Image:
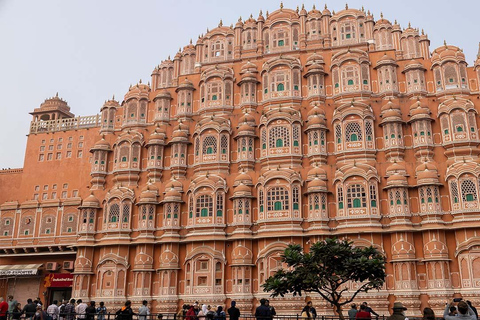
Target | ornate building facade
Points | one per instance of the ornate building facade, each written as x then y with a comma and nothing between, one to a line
288,128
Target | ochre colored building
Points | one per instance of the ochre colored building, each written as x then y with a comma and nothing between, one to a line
288,128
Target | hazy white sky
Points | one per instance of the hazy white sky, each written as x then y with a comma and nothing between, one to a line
88,50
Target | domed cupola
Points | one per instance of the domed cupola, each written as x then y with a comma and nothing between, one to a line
135,105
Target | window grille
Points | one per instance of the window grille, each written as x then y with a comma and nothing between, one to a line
114,213
277,199
356,196
279,133
204,206
210,145
469,190
353,132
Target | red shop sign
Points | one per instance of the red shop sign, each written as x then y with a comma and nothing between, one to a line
58,280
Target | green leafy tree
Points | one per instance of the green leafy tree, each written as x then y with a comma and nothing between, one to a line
327,269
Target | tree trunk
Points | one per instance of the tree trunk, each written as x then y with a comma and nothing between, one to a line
338,309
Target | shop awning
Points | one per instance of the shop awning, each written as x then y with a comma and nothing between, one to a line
19,269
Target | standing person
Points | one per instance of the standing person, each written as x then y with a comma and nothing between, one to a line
53,310
101,311
220,314
17,312
310,311
464,312
90,311
143,311
271,308
40,314
263,311
11,304
428,314
370,310
29,309
363,313
233,311
191,315
398,312
202,315
70,310
352,312
126,312
39,302
3,309
473,308
210,313
80,309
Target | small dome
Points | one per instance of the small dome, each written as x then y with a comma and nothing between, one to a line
174,183
164,94
186,85
157,137
101,144
419,111
172,193
316,172
396,168
246,128
427,174
149,194
447,52
314,13
326,12
139,91
91,202
247,118
242,188
385,60
112,103
382,22
397,180
317,183
315,111
243,178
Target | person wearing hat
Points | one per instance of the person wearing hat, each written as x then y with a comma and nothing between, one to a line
398,312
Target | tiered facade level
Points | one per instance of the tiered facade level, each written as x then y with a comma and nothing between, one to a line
288,128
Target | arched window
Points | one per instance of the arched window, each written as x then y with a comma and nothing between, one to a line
126,212
277,199
260,200
224,144
353,132
210,145
204,207
279,137
469,190
219,204
295,197
114,213
280,87
356,196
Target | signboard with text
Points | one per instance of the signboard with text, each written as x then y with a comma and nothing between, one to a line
58,280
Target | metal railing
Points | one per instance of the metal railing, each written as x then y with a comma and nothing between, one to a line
174,316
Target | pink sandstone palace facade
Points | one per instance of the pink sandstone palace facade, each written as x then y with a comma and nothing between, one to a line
288,128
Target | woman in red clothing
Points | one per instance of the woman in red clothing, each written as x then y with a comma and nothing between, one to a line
363,313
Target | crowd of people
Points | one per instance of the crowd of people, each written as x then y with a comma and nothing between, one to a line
208,312
79,310
66,310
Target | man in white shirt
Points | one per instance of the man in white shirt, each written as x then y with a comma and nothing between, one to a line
80,309
53,310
